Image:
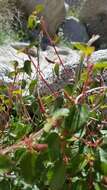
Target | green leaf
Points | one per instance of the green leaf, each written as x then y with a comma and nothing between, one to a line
32,21
54,147
17,92
80,185
103,166
59,176
5,163
87,50
32,86
78,163
15,64
27,166
63,112
5,185
97,186
19,154
19,129
56,69
69,89
39,8
48,99
58,103
101,161
23,84
103,155
27,67
78,116
100,65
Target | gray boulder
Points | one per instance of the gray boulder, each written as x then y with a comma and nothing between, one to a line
7,55
54,11
94,15
74,30
70,59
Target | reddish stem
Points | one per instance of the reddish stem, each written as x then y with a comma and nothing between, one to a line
43,79
43,26
42,107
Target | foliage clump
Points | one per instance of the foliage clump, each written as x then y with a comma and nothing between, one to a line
56,141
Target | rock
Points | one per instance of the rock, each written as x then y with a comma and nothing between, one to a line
74,3
54,11
7,56
94,15
74,30
70,60
100,55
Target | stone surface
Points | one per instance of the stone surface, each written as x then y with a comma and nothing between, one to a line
54,11
94,15
7,56
74,3
70,59
74,30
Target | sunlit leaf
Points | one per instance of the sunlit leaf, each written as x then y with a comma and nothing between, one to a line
63,112
32,21
87,50
39,8
100,65
56,69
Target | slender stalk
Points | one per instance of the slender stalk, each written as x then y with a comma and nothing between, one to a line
43,26
93,90
43,79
